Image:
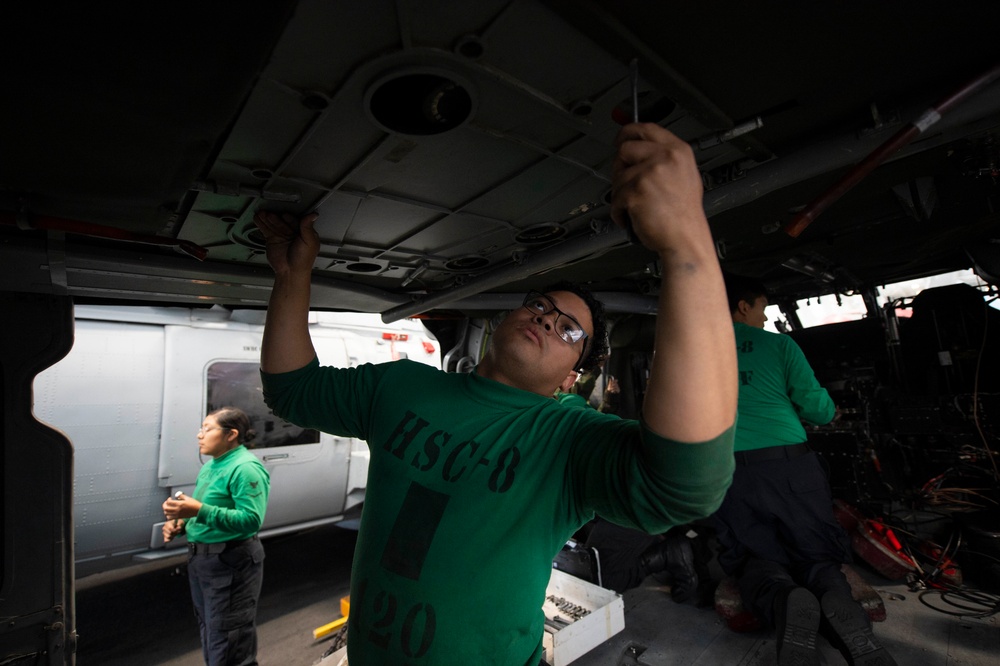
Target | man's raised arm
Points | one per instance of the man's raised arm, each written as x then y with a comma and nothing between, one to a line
292,247
692,391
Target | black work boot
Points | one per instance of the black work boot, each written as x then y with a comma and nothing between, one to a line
796,615
680,566
852,631
675,557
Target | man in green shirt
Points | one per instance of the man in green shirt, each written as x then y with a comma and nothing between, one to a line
776,527
477,480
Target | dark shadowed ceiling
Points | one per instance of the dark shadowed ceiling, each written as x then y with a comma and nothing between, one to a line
458,152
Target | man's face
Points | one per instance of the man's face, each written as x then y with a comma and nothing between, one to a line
754,314
531,337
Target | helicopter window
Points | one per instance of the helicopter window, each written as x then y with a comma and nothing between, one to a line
827,309
238,385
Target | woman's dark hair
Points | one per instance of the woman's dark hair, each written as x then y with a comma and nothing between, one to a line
234,418
598,341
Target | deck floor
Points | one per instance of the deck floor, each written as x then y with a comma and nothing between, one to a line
659,632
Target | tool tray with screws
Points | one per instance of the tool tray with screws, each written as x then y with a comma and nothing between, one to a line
578,617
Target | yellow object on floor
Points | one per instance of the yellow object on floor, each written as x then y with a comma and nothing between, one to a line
327,629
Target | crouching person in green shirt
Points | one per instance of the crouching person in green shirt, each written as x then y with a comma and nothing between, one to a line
477,480
225,557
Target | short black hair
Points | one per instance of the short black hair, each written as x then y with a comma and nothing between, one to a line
742,288
598,352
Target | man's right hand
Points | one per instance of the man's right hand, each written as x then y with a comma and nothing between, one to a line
292,244
292,248
658,190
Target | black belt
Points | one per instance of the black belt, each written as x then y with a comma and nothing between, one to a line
771,453
216,548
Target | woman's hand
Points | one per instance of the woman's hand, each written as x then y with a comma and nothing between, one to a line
181,506
172,528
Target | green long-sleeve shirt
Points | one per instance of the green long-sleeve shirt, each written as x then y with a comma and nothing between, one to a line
233,490
473,488
778,390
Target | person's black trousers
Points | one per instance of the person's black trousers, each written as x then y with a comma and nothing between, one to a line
776,529
225,588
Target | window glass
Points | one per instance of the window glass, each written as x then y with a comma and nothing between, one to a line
826,310
911,288
234,384
774,316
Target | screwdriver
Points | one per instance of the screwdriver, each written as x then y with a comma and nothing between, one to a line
177,496
700,143
633,68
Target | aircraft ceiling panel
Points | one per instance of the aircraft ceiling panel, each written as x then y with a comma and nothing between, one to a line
453,148
577,69
271,121
325,41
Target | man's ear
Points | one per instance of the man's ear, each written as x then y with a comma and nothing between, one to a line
567,383
739,314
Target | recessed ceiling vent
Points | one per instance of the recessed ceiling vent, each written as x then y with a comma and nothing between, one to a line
360,266
540,233
467,263
363,267
420,102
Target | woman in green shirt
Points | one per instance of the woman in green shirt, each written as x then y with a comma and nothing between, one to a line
221,520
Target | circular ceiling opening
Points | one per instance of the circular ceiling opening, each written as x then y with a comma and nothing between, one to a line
540,233
581,109
362,267
419,103
469,263
471,47
315,101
